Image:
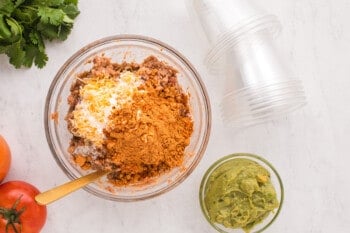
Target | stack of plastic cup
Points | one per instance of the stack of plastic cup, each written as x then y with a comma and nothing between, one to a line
260,85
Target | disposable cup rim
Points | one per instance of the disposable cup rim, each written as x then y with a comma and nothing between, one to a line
258,87
241,122
231,38
259,21
213,57
272,104
264,93
263,100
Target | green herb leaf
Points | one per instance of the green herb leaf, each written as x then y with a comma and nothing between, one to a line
15,28
34,37
48,31
40,59
64,32
26,15
5,31
6,7
50,3
71,10
30,53
3,49
19,2
25,24
51,15
75,2
16,54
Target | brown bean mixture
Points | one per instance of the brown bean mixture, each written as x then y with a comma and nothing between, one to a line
144,138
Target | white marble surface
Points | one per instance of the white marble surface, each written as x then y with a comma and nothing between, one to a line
309,147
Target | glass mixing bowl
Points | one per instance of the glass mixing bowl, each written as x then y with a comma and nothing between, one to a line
275,179
126,48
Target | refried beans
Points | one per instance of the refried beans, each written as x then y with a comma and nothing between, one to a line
131,119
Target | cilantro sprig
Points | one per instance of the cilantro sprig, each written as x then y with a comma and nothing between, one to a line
26,24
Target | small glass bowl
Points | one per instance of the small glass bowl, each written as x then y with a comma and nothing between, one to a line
129,48
275,179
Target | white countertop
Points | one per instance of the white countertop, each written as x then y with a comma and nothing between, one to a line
309,147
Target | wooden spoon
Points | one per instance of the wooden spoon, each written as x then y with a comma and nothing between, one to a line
58,192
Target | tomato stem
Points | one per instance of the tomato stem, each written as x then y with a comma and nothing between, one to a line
13,227
12,216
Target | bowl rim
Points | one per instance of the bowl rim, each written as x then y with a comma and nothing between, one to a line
217,164
147,40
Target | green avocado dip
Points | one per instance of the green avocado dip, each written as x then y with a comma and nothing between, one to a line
239,194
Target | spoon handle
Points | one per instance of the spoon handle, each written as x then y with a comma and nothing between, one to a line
58,192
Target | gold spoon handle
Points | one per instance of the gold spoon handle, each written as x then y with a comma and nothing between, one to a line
58,192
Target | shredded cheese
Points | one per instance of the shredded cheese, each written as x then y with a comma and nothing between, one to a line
98,98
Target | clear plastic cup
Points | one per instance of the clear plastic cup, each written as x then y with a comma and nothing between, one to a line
259,83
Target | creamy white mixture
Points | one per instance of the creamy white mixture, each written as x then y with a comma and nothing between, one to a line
98,97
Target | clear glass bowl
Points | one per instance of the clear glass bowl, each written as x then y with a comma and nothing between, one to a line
127,48
275,179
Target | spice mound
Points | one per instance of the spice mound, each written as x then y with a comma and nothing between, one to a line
132,119
240,194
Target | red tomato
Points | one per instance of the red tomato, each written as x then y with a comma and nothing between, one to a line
19,212
5,158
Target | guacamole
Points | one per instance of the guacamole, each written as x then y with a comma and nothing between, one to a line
240,194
